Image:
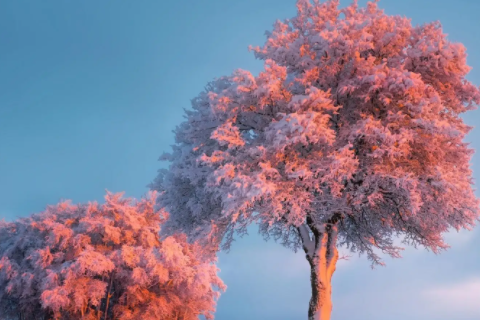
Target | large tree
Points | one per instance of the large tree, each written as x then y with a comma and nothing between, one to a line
107,261
350,136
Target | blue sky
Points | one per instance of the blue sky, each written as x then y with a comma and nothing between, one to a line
89,94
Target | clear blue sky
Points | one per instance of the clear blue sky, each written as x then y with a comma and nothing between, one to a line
89,94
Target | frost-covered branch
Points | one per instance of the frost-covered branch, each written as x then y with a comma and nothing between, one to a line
308,243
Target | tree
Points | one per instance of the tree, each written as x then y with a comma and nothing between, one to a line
102,262
350,136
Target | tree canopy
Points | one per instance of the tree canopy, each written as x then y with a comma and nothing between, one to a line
355,117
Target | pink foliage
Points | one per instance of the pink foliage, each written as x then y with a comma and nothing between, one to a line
356,114
103,262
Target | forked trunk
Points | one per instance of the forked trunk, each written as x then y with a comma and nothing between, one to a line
322,255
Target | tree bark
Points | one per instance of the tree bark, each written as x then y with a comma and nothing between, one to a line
322,255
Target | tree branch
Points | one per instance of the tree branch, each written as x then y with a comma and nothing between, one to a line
108,295
332,252
308,243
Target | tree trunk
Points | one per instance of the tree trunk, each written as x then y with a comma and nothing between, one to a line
322,255
108,295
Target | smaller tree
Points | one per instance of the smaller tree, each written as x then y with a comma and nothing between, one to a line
103,262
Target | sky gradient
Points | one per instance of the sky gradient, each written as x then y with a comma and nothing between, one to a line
91,90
